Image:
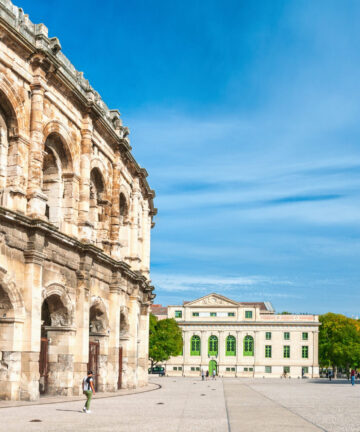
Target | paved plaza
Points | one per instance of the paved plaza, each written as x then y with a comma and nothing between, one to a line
186,405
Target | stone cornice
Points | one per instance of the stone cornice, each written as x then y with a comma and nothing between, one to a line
249,324
90,250
33,39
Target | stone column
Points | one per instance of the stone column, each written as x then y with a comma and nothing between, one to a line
114,337
32,327
146,227
133,249
36,199
70,204
115,209
204,350
186,350
143,339
132,351
82,312
85,163
315,356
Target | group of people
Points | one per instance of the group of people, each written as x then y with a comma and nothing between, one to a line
206,374
353,375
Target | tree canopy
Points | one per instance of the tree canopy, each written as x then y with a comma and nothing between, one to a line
165,339
339,341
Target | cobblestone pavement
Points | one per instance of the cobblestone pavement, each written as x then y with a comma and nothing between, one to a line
186,405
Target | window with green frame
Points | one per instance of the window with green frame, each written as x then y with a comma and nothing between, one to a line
195,314
213,346
268,351
248,314
178,314
305,352
286,351
212,313
267,369
268,335
230,346
231,314
287,336
305,369
286,369
305,336
195,346
248,346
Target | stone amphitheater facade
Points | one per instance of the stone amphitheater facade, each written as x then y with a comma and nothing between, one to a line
75,218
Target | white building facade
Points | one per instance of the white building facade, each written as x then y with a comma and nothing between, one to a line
238,339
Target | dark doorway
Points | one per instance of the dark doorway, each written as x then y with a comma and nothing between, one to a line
43,366
120,367
93,365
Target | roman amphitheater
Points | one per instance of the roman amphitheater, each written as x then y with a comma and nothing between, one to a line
75,219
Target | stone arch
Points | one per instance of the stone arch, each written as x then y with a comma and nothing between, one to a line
99,317
57,302
62,147
11,300
99,205
14,107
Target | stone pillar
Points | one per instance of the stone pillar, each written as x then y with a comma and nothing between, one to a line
115,209
36,199
86,227
70,204
315,357
186,349
133,249
114,337
32,328
132,351
81,357
143,345
204,350
146,229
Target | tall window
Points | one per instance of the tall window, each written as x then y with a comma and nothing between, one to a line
248,346
230,346
305,352
195,346
287,336
286,351
213,345
268,335
305,336
248,314
268,351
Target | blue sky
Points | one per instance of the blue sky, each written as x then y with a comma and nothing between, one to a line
246,115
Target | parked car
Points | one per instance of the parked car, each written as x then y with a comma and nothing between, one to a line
157,370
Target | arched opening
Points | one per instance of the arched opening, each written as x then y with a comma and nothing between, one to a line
98,322
56,163
123,208
5,303
4,148
213,346
97,204
230,346
248,346
195,345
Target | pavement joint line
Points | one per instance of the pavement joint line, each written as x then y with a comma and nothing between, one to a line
226,407
288,409
53,402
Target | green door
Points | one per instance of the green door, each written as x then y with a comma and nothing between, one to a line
212,366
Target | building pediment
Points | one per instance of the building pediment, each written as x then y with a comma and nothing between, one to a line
212,300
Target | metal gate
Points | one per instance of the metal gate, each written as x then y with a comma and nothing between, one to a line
43,366
120,368
93,364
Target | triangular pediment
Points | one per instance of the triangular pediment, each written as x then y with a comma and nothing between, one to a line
212,299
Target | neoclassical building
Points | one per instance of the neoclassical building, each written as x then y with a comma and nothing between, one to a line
75,218
240,339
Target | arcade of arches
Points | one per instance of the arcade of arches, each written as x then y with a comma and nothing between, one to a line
75,218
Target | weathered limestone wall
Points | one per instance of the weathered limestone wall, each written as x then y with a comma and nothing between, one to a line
75,218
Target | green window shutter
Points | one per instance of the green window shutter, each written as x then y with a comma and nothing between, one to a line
267,369
305,336
230,346
268,335
195,314
231,314
248,346
286,351
178,314
268,351
305,352
212,314
213,346
286,369
195,346
287,336
248,314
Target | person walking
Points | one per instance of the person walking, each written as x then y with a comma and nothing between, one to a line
214,374
202,375
89,390
330,375
207,375
353,373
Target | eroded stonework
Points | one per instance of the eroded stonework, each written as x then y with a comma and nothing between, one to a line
75,218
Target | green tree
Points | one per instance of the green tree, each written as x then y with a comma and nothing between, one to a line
165,339
339,342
